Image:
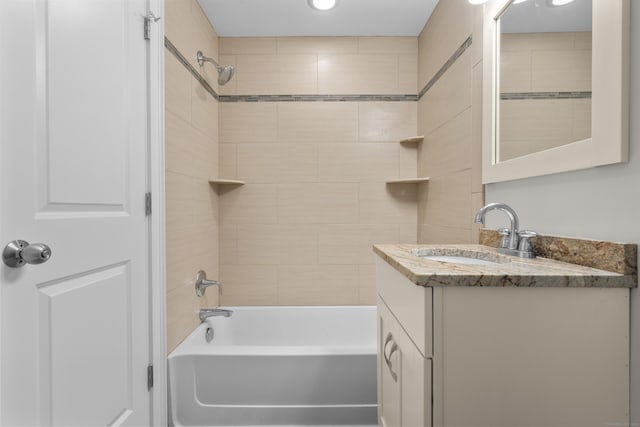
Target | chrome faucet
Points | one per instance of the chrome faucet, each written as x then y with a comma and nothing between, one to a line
205,313
514,241
202,283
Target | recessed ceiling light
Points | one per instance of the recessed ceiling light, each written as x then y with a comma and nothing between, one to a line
322,4
477,1
561,2
518,1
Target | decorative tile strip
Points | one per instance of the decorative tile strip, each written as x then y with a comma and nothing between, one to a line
621,258
315,98
174,50
544,95
457,54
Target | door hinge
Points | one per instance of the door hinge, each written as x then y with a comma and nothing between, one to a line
147,24
147,204
149,377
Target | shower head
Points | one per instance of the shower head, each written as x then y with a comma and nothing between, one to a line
224,73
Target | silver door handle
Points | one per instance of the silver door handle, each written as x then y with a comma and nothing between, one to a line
19,252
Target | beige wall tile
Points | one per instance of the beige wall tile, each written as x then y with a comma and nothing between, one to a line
449,201
317,121
248,122
448,148
387,121
367,285
287,45
178,91
387,204
247,45
477,202
281,74
359,162
409,232
448,27
448,97
228,161
408,74
393,45
352,243
476,130
248,204
268,163
276,244
358,74
433,234
228,245
408,160
248,285
191,153
318,285
182,315
581,119
317,203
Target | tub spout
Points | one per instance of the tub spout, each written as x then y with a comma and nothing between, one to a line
205,313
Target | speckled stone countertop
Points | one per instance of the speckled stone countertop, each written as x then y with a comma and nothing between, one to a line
507,271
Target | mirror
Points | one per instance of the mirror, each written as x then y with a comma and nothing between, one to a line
555,86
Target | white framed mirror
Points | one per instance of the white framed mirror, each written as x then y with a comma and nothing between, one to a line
555,86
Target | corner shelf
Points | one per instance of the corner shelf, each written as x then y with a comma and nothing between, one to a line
412,140
408,181
218,181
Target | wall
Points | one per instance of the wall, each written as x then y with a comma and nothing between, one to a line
450,117
599,203
191,156
300,231
534,67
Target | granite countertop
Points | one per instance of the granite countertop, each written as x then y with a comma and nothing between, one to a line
507,271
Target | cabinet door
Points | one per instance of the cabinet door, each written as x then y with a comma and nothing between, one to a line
404,376
389,370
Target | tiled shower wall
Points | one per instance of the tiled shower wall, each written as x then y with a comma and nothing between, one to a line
450,117
191,156
300,231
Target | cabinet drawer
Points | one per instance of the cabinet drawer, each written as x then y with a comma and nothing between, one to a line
412,305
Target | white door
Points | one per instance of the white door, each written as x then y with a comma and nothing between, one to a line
74,331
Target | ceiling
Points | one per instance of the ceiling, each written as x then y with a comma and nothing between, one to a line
281,18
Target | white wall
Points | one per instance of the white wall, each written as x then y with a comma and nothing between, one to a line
599,203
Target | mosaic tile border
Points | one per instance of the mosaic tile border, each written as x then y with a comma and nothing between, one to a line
321,98
174,50
316,98
457,54
544,95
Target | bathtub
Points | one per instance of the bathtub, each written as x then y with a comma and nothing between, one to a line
277,366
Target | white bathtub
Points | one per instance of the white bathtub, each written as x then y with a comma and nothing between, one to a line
277,366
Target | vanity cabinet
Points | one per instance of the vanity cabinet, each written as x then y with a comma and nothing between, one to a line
501,356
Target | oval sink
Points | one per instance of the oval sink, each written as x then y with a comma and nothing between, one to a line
458,259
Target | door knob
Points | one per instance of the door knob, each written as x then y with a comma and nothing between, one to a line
19,252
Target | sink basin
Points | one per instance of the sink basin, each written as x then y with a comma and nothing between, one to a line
459,259
459,256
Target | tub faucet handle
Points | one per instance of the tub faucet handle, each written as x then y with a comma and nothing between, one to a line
202,283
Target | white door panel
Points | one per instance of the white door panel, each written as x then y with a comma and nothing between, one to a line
75,330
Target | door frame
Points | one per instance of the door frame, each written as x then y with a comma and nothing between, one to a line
157,243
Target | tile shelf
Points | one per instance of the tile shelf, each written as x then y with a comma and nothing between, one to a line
219,181
412,140
408,180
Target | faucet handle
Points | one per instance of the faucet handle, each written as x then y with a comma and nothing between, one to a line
201,283
506,235
525,243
